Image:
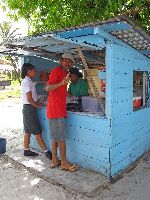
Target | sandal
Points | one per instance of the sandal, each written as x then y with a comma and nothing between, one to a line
73,168
57,165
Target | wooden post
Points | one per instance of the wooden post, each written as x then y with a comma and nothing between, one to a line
89,76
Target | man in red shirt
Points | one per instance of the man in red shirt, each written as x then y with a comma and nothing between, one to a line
56,111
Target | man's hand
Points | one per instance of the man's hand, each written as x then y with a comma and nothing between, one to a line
66,80
57,85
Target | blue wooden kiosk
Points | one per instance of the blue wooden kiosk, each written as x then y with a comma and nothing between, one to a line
112,142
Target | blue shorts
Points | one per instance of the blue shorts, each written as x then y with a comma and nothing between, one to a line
57,128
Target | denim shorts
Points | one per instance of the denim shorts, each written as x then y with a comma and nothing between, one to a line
57,128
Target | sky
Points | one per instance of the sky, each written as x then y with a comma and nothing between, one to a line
21,24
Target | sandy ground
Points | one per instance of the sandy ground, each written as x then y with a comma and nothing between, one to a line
16,183
11,123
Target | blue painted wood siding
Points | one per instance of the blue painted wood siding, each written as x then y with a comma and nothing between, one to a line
88,137
130,130
88,140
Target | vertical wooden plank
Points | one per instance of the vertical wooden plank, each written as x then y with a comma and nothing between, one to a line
109,77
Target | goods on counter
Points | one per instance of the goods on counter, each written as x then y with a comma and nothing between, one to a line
103,85
137,102
90,104
44,76
74,104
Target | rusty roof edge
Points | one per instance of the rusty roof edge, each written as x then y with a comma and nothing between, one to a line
136,27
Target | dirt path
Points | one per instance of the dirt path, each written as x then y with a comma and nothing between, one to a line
16,183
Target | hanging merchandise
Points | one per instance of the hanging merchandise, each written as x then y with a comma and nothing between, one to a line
102,68
102,77
103,85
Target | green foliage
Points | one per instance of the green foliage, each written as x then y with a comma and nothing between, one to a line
43,15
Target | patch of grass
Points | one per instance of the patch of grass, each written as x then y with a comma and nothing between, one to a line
10,94
12,91
15,82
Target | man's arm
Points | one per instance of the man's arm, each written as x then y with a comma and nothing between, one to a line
57,85
31,101
53,86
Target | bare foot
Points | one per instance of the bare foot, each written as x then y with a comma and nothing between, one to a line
55,163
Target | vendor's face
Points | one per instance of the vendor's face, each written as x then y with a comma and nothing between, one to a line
32,73
66,63
74,77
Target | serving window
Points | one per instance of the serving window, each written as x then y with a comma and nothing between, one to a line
97,70
140,89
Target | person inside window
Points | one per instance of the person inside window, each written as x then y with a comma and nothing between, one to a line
78,86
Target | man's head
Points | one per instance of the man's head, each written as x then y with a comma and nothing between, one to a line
75,74
67,61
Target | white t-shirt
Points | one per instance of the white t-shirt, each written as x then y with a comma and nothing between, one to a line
28,85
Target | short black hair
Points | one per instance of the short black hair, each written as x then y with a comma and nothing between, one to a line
75,70
25,68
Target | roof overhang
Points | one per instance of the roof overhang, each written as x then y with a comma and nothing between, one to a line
119,30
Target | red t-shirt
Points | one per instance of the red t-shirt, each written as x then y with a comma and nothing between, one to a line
56,105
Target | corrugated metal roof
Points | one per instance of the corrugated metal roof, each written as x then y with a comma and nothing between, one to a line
118,30
132,38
